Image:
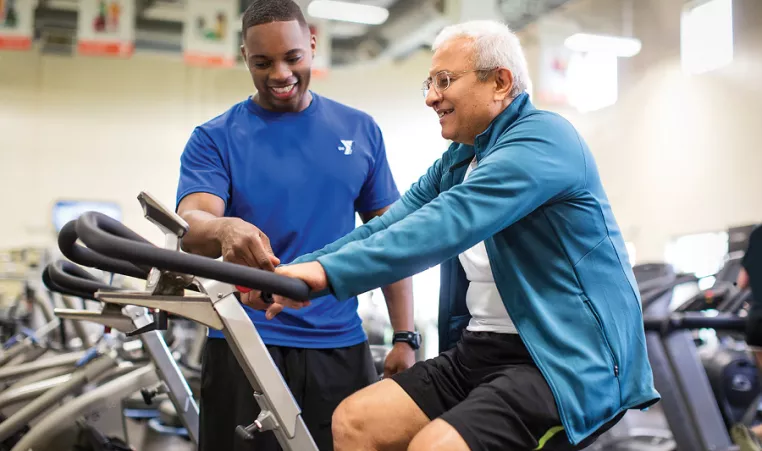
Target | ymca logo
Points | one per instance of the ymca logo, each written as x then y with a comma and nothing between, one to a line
346,147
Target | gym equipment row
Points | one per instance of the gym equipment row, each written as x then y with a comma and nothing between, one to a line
710,388
178,285
710,392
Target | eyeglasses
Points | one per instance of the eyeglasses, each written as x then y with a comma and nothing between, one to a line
443,79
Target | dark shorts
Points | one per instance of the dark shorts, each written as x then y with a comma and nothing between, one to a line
489,389
318,378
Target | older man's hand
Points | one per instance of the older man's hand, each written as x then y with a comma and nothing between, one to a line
311,273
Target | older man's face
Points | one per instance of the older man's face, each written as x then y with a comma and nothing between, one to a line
467,106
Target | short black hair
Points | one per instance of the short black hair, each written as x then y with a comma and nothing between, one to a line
267,11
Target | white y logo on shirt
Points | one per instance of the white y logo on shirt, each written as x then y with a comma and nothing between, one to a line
347,147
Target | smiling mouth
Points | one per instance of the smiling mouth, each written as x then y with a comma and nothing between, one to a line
443,113
285,91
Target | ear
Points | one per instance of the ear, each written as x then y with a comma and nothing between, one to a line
503,83
243,54
313,43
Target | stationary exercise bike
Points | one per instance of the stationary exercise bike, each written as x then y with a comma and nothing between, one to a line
204,290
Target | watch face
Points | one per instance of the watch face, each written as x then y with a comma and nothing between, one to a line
412,338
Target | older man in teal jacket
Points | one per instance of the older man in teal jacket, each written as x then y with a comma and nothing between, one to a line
540,323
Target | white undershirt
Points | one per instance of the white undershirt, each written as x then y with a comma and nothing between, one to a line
485,305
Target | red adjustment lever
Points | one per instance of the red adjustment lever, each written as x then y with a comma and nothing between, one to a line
106,329
266,297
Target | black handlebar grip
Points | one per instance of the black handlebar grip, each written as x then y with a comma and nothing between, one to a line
677,321
52,286
112,238
71,276
67,242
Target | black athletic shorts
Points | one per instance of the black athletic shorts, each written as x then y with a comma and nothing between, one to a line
318,378
489,389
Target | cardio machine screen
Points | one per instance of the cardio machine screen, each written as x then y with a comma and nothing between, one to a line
69,210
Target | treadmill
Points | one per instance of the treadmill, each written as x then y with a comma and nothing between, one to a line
688,401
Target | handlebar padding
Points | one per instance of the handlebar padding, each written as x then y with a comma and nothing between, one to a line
110,237
694,320
71,276
67,242
52,286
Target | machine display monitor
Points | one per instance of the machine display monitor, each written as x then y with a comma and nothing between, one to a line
68,210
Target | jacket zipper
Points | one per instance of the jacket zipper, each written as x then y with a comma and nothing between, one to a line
589,306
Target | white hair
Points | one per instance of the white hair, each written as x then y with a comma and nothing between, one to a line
495,45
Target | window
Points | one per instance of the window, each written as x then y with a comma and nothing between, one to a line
592,81
702,254
706,35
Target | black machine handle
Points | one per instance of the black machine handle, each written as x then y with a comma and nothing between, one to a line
110,237
71,276
67,242
694,320
52,286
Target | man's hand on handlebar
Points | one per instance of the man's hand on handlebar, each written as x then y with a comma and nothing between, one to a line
311,273
244,244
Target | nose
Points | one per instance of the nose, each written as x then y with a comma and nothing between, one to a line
280,72
433,98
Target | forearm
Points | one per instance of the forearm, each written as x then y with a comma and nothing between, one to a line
399,302
203,237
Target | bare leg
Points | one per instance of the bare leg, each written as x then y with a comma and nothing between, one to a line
438,436
379,417
757,430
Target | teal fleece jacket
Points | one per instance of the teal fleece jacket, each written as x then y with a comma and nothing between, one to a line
557,255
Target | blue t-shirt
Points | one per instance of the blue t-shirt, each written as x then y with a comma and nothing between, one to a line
299,177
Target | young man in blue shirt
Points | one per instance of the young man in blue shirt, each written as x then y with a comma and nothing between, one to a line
541,333
285,171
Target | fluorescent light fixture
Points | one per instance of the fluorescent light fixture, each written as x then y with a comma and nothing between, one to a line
706,36
617,45
348,12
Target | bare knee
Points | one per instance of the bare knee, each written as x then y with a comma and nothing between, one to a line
379,417
438,436
348,424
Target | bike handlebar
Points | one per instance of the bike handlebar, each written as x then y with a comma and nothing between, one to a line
68,275
67,242
52,286
110,237
694,320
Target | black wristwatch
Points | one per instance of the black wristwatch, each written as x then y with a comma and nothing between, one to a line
411,338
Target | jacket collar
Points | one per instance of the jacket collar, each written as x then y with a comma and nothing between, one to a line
485,140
